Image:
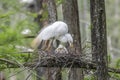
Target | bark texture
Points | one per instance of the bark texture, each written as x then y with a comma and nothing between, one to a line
99,40
38,7
53,73
71,17
52,12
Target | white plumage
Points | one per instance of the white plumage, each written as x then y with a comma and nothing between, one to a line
67,38
54,30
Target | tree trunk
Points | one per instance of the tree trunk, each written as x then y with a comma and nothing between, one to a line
83,15
53,73
71,17
99,40
52,11
40,71
38,8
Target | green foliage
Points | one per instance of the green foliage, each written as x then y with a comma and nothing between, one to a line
89,77
19,74
118,63
58,2
114,76
13,20
9,36
109,58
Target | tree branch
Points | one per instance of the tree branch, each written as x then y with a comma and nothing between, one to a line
29,36
8,61
60,60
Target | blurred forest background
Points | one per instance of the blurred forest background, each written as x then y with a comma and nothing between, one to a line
17,20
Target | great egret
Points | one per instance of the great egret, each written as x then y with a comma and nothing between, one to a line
50,32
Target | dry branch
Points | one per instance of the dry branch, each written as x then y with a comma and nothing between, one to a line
8,61
29,36
63,60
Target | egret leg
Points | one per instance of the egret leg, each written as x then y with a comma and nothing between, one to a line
49,45
44,44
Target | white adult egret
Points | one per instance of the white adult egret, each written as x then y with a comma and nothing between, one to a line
54,30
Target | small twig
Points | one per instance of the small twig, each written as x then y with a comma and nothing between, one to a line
26,52
16,73
29,36
28,76
8,61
